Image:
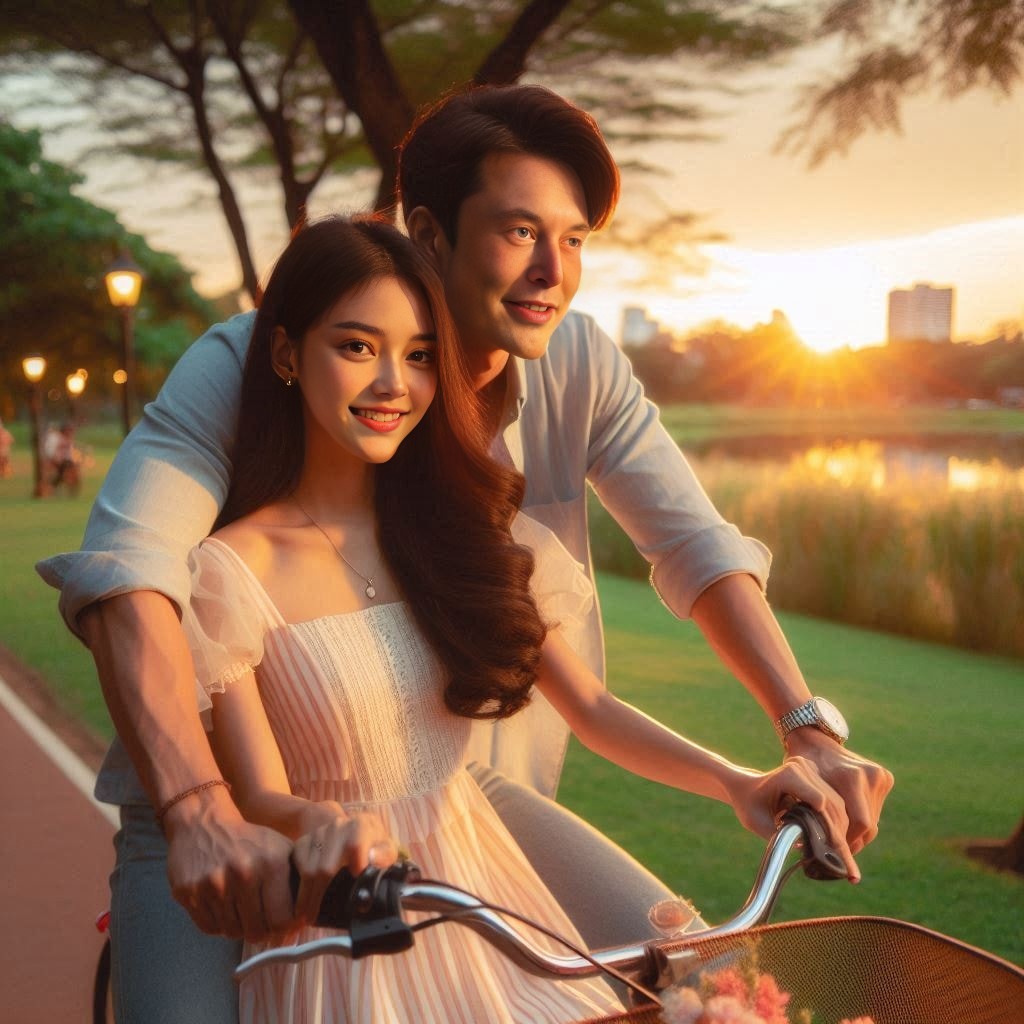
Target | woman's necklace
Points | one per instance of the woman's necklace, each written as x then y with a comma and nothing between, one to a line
370,591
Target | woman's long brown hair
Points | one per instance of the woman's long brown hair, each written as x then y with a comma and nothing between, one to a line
443,505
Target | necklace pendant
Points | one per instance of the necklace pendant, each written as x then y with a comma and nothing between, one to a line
370,591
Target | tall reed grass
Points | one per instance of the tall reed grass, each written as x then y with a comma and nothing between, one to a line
910,557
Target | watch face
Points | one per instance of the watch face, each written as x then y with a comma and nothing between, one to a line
829,714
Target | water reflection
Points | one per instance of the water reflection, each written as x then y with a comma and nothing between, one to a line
955,463
876,464
967,475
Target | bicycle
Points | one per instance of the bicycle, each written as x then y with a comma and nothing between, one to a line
880,969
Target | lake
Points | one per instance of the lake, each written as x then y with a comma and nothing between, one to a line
966,462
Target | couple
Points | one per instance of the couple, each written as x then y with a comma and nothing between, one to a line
500,188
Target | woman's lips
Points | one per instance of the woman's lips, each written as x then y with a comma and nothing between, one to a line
381,420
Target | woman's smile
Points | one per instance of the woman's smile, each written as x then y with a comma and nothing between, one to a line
383,420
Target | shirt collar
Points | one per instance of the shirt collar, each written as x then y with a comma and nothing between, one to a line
515,390
508,442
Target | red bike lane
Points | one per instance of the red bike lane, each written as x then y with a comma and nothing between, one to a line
56,855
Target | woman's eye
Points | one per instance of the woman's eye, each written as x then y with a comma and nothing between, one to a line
355,347
422,355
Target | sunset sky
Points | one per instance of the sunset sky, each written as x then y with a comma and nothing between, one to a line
942,203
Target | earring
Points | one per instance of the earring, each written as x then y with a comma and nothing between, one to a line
289,381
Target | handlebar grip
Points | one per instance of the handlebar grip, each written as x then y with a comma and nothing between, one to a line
367,906
820,860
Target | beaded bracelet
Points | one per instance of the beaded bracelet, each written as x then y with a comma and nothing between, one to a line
177,798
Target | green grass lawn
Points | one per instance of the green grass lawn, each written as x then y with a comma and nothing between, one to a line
947,722
29,623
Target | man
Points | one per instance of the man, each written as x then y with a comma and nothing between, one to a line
502,186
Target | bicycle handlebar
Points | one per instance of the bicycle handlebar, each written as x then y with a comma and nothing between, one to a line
369,907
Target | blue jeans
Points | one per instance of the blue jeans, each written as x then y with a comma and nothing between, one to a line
165,971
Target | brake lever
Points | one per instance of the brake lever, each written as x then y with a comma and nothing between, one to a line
820,860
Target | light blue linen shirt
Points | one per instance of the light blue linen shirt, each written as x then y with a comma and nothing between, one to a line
575,415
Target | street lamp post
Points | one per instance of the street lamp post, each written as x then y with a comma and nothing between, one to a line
34,367
124,283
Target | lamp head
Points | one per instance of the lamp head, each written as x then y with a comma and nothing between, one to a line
33,367
124,281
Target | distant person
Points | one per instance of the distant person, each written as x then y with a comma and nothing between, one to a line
500,188
6,444
64,458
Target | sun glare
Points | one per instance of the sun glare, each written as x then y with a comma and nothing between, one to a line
815,289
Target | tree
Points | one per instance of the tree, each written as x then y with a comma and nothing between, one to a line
896,49
221,85
54,249
256,93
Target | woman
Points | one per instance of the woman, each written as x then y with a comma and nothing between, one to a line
364,601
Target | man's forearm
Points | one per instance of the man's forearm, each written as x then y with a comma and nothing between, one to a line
736,620
145,670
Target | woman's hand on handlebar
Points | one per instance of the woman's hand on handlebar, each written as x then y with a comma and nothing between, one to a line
759,797
342,841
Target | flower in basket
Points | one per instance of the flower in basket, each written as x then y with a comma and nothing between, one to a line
734,996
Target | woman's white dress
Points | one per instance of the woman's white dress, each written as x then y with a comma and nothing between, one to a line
355,703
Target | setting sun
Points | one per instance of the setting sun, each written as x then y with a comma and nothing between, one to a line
814,289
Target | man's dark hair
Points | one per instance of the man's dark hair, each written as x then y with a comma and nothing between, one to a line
440,157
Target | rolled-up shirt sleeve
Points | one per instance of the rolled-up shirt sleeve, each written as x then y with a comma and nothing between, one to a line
166,484
647,485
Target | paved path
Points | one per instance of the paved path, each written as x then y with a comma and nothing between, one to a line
56,854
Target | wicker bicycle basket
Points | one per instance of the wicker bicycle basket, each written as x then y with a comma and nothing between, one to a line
844,968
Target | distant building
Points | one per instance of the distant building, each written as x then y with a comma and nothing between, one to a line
922,313
637,327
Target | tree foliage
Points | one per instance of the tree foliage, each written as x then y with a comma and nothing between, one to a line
325,86
894,49
54,250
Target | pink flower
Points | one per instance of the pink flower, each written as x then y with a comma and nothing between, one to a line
729,982
681,1006
728,1010
770,1001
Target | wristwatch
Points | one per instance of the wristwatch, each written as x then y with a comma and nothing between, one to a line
820,713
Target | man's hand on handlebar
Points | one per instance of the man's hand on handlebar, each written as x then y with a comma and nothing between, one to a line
861,783
231,876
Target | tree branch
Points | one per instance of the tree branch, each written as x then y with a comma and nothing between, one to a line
348,39
506,63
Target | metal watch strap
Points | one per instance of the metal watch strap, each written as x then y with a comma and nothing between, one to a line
797,718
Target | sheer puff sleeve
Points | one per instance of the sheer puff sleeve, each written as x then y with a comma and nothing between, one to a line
563,593
222,623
